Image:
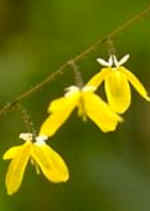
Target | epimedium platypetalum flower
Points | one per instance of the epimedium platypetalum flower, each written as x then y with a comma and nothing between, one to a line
89,105
42,156
117,80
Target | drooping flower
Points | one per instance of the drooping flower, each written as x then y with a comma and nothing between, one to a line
117,80
42,156
88,104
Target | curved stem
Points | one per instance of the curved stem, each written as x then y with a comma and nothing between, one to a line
93,47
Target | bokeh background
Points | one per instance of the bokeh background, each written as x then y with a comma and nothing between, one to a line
109,172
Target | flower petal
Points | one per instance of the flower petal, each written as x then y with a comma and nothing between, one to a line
11,153
118,91
136,83
100,113
98,78
16,168
61,109
51,163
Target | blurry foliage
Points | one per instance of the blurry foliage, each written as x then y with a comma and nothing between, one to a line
108,171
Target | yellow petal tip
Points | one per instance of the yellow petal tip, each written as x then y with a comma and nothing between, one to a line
66,178
10,190
121,119
147,98
10,193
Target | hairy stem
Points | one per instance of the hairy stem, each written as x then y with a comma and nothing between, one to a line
110,36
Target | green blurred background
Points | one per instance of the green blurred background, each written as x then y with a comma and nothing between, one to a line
109,172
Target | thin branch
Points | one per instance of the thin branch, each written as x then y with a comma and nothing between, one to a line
77,74
26,118
110,46
93,47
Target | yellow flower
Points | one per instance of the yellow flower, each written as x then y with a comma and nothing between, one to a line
88,104
41,155
117,83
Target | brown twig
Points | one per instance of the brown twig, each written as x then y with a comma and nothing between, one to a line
61,69
26,118
77,74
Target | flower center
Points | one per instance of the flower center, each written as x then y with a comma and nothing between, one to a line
113,61
29,137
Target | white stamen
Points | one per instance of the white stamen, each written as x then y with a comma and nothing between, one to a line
70,90
89,88
124,59
40,140
26,136
103,62
115,60
110,61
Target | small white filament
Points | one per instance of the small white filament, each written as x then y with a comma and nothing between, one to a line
26,136
113,61
40,140
70,90
110,61
103,62
89,89
124,59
